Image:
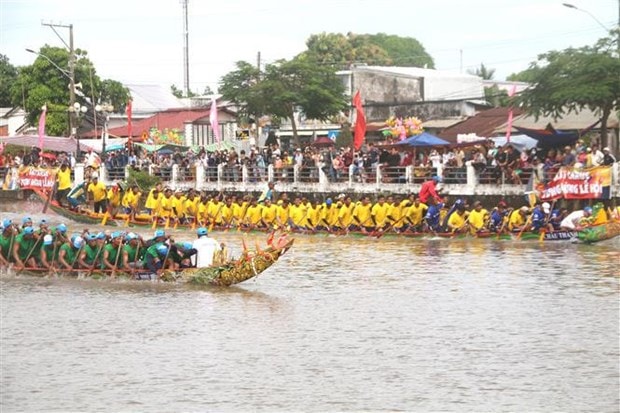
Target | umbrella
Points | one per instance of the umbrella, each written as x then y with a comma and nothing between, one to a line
323,142
423,139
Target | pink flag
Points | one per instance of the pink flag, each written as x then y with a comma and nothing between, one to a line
42,126
214,123
129,111
509,125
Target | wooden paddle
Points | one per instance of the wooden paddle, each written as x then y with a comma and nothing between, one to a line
51,194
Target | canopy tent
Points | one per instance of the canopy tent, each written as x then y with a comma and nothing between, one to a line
50,143
111,144
519,142
421,140
169,148
226,144
552,138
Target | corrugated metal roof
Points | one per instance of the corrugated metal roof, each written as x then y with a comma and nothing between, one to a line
569,121
152,98
482,124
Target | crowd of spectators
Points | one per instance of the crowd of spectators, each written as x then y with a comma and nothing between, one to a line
508,163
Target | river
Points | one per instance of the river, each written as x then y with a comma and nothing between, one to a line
338,324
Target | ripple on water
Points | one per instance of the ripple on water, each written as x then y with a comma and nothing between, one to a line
337,324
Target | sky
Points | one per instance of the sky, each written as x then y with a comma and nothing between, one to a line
141,41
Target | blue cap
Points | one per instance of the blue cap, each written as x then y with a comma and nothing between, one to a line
48,239
6,223
44,222
159,233
74,236
162,249
28,230
329,201
26,220
100,235
436,178
588,209
116,234
201,231
61,228
92,237
130,236
78,242
187,245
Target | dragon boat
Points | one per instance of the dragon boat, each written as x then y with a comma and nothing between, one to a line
601,232
588,235
224,273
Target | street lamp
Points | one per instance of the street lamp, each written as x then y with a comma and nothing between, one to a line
77,111
572,6
105,109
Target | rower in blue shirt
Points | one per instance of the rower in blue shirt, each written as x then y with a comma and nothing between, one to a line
432,216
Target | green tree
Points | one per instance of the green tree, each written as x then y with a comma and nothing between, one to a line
402,51
286,87
340,51
483,72
573,79
240,87
8,76
46,82
301,86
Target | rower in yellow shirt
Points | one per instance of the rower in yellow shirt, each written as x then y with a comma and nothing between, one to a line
345,218
380,212
478,218
415,215
64,184
518,219
361,216
153,198
269,214
458,221
297,214
98,194
253,214
227,213
131,200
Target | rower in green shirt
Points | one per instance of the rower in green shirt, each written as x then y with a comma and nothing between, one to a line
48,255
69,252
91,253
111,253
7,238
24,249
131,251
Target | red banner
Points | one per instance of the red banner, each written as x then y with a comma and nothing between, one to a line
571,183
35,178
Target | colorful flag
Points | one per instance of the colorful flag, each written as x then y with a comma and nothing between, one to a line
360,122
129,110
214,123
509,125
42,126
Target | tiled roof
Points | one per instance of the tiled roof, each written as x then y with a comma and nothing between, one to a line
482,124
169,119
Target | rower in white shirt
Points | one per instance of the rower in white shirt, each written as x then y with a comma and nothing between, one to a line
205,249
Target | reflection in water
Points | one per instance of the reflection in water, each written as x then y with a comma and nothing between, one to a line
338,324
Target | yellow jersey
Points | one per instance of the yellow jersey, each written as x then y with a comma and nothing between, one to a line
98,191
63,179
380,213
477,219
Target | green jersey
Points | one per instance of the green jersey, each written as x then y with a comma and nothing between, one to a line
92,253
151,252
112,253
132,253
51,253
70,254
6,243
26,245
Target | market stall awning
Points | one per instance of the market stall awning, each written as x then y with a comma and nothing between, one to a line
421,140
170,148
50,143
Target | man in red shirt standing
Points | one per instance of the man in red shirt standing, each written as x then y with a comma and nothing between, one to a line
429,189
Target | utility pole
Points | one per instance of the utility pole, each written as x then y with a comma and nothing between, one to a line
185,48
258,61
72,113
